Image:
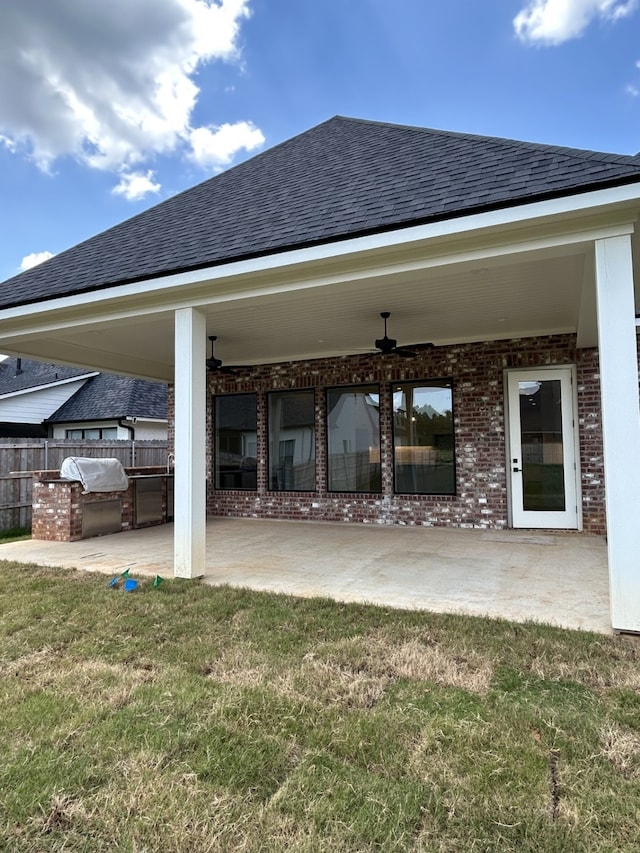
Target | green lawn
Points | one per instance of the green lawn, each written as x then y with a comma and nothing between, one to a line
188,718
14,534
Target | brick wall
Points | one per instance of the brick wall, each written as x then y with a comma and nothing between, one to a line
477,371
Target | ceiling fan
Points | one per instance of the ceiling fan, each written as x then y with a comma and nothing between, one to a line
215,364
389,346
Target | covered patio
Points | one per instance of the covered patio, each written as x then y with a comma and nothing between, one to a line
557,578
507,269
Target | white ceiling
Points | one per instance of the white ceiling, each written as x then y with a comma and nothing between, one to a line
444,306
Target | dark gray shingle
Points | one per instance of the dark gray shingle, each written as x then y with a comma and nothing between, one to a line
107,397
20,374
340,179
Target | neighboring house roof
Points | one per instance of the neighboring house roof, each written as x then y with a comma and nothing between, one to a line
21,374
102,396
108,397
344,178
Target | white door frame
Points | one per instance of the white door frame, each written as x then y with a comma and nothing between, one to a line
571,517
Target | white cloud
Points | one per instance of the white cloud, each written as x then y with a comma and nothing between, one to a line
136,185
34,259
556,21
110,83
632,90
214,147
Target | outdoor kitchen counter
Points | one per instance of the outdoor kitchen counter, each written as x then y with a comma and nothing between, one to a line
62,512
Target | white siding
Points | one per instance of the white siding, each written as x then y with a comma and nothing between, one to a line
35,406
150,430
143,430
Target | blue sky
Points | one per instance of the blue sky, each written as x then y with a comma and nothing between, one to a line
109,108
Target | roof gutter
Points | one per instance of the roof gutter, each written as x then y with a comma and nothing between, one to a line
132,429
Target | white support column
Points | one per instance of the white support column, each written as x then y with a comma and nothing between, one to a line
189,536
620,425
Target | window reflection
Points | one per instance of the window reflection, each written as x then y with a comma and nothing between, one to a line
423,438
292,447
236,421
353,439
542,446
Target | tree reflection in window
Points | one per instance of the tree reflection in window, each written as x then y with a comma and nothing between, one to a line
423,446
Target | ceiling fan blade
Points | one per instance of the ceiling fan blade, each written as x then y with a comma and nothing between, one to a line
404,352
216,366
420,346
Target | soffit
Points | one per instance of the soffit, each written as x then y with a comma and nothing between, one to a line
493,299
505,280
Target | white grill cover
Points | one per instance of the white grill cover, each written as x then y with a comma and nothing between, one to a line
96,475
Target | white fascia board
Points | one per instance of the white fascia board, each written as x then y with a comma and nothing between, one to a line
45,386
589,203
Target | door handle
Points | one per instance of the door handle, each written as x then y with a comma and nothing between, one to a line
515,470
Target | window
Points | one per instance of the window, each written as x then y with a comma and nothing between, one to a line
423,450
292,445
92,433
353,439
236,421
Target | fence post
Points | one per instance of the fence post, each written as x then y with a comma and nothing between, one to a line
46,455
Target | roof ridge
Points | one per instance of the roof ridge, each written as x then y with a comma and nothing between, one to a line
133,387
592,154
113,396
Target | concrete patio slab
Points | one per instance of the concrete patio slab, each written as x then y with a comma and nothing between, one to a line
560,579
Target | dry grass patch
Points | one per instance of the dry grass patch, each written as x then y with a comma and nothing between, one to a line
327,683
98,682
623,669
621,747
235,666
416,657
355,672
146,803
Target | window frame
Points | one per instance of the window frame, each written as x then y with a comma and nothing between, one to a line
346,388
435,382
238,473
84,430
311,392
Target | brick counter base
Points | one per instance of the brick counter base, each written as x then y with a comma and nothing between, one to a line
58,505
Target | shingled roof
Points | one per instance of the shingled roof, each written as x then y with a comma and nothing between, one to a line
106,397
344,178
22,374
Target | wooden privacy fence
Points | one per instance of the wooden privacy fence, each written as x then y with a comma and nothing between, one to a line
19,457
